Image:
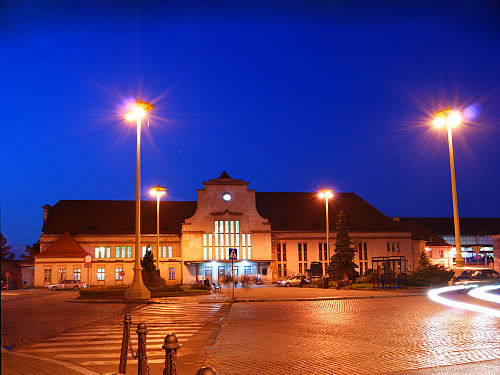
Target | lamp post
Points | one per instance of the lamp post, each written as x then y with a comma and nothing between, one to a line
326,194
451,118
138,290
157,192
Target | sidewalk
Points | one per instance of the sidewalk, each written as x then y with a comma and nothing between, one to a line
271,293
20,363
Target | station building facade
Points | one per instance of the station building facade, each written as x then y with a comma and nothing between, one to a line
276,234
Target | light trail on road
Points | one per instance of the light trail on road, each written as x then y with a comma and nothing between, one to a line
435,295
482,293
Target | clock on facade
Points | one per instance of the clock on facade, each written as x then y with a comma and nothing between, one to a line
226,197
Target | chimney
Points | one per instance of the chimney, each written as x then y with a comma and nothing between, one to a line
46,211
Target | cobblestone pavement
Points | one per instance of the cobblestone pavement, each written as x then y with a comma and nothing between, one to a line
97,347
29,316
360,336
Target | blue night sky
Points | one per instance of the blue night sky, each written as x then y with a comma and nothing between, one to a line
290,98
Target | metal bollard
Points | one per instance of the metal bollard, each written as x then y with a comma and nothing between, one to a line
142,330
170,345
127,321
206,370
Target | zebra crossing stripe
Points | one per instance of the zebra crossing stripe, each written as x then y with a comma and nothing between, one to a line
116,362
89,343
158,354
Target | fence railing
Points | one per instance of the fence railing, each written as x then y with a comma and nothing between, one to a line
170,345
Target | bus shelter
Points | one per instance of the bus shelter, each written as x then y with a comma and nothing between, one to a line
389,272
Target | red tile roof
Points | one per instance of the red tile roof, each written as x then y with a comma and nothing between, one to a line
286,212
291,211
64,247
115,217
421,233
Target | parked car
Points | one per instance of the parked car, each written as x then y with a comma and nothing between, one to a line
67,284
476,276
295,280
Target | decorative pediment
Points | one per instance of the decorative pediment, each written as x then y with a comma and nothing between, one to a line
226,212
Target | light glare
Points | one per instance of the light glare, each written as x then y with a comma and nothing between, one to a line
482,293
454,118
434,295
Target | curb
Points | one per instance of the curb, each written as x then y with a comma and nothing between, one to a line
324,298
133,302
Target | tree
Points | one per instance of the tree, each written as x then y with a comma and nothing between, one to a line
150,275
424,260
5,249
31,252
342,261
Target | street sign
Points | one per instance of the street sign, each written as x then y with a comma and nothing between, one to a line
122,273
87,259
233,254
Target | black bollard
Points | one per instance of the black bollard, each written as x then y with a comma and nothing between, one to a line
127,321
142,330
170,345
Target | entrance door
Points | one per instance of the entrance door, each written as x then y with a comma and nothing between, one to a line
248,270
208,274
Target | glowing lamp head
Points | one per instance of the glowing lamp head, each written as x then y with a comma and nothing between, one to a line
447,117
158,191
139,110
326,194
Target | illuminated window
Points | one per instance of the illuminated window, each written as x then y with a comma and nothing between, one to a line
164,251
249,246
210,247
205,257
143,251
108,252
47,275
171,273
129,251
117,273
101,274
99,252
62,274
77,272
123,252
117,252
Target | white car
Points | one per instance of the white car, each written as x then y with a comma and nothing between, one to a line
295,280
67,285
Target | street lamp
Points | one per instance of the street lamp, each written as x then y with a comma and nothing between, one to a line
157,192
451,118
138,290
326,194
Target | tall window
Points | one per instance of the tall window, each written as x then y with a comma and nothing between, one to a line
205,243
77,272
279,269
300,267
62,274
101,274
278,252
365,248
325,252
299,245
226,235
167,251
305,250
171,273
117,273
361,268
102,252
388,246
284,270
47,275
124,254
360,250
320,248
129,251
283,248
117,252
